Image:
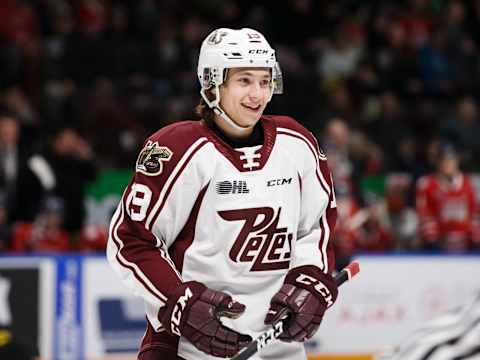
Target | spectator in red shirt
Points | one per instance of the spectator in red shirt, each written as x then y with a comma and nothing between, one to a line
446,206
45,233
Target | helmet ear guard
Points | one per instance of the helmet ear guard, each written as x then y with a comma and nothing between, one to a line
277,79
212,76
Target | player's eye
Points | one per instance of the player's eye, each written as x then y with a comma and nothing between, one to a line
244,80
265,83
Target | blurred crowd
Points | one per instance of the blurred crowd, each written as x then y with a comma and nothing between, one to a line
389,87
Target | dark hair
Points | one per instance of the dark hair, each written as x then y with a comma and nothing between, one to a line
6,113
204,111
447,150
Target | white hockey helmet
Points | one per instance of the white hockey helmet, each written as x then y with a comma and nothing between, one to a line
227,48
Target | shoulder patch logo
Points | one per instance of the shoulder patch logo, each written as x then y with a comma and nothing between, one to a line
151,158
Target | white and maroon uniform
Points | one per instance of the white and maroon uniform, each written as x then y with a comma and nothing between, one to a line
234,219
447,212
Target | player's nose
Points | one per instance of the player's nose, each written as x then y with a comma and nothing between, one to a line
255,91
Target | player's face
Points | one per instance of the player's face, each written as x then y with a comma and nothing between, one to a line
449,166
245,95
8,131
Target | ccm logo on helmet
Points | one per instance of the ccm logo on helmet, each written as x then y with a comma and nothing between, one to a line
258,51
178,311
317,285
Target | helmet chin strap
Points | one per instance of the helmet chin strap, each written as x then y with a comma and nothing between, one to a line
215,106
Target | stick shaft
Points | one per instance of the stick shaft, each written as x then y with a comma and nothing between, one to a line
271,334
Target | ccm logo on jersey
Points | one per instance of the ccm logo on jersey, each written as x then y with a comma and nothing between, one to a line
317,285
277,182
151,158
178,311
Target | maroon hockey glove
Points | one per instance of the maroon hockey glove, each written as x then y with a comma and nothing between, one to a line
193,311
305,295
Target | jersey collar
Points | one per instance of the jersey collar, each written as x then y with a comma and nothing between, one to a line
237,154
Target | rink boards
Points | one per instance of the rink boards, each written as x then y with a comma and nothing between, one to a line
82,311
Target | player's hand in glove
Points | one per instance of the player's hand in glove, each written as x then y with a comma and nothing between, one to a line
305,295
193,311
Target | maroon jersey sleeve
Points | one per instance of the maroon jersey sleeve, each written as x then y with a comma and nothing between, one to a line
152,211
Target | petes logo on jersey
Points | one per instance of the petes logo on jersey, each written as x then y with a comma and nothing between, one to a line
260,242
151,158
232,187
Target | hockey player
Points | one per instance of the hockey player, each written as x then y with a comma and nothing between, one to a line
447,207
225,225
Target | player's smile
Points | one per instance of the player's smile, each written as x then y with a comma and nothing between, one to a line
253,108
245,95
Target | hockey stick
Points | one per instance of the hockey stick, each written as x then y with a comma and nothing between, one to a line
273,333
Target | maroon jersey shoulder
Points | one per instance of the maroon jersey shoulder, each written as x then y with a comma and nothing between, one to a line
168,145
179,135
287,122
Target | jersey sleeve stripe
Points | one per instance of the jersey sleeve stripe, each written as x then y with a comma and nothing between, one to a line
324,242
166,189
324,225
321,156
117,220
165,256
322,181
311,147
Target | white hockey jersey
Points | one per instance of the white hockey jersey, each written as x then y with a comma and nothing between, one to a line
234,219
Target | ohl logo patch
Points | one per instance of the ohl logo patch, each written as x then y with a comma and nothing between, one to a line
232,187
261,241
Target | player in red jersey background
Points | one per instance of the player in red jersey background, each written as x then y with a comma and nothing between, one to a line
446,206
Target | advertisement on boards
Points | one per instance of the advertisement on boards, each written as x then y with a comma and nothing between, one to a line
75,307
27,299
19,310
68,316
116,319
391,297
